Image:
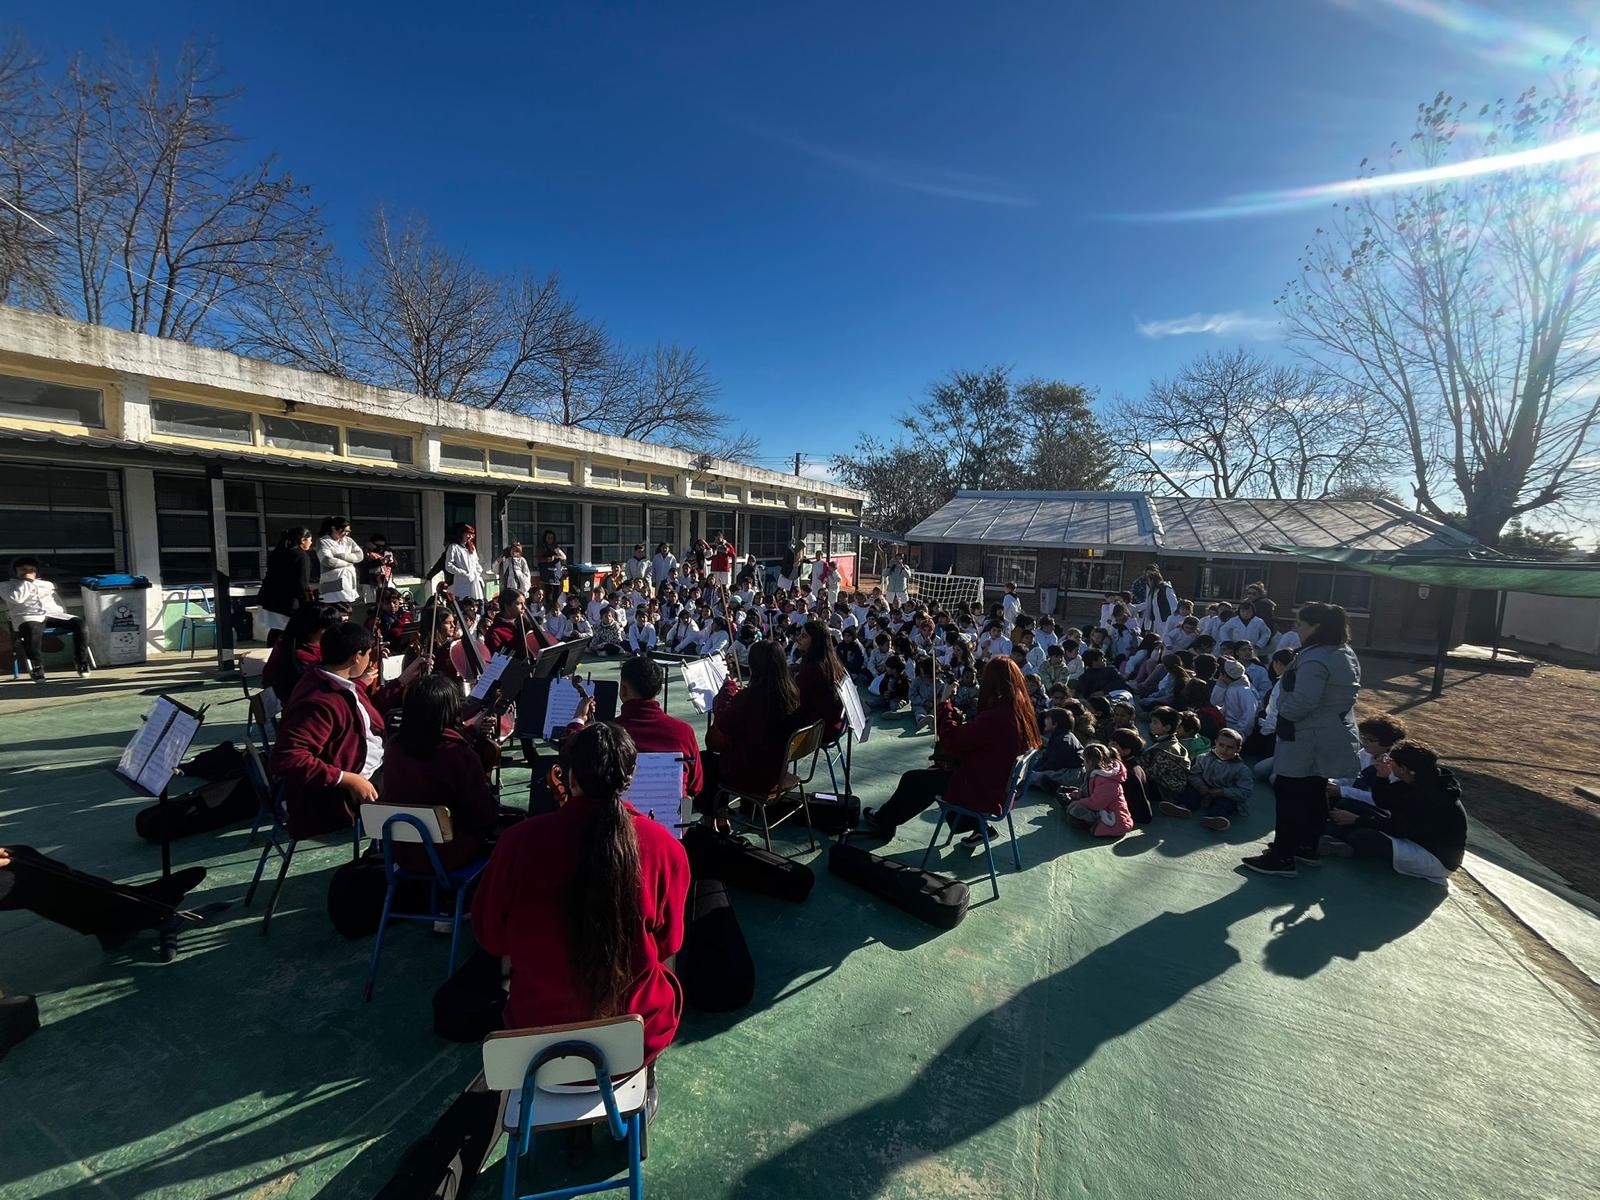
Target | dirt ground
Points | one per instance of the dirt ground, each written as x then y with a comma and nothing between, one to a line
1519,745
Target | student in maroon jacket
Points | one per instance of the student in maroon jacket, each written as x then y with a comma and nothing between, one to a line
513,627
330,737
817,679
984,750
428,762
588,902
751,725
652,731
298,650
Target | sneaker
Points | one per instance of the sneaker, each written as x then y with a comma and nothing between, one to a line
1309,860
37,674
976,839
1271,864
1173,809
1220,824
443,926
1334,848
83,668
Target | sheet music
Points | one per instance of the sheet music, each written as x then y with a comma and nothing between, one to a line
658,790
391,666
854,711
704,678
563,704
158,746
492,671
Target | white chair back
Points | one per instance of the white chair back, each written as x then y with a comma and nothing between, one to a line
252,665
434,818
506,1055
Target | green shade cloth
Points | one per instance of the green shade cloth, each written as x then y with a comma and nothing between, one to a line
1480,569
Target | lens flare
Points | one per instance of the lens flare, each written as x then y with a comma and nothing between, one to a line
1493,36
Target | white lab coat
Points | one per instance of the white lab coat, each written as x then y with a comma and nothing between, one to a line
466,571
661,566
30,600
338,559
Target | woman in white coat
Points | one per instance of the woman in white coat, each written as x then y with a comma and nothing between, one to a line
463,569
338,556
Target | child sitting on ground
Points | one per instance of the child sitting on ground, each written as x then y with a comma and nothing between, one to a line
1100,807
967,692
1219,785
1097,677
1424,833
1378,736
1055,669
1128,746
924,694
1165,760
890,691
1190,737
1060,762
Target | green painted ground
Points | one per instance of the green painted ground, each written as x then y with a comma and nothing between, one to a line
1131,1020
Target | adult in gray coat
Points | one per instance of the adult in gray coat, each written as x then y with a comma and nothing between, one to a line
1317,738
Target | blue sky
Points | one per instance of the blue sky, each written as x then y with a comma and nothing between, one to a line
838,203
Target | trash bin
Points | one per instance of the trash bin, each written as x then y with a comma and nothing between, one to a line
581,577
116,614
1047,600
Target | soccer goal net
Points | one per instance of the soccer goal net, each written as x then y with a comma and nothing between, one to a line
946,591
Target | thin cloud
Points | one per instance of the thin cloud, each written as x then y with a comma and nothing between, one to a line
1225,324
911,176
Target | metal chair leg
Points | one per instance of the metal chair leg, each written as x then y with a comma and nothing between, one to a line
805,811
635,1175
1016,855
277,890
988,852
932,838
377,944
261,865
455,931
766,825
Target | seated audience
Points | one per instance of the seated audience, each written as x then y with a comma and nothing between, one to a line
1219,785
1166,759
1100,806
1129,746
1060,762
31,604
1421,829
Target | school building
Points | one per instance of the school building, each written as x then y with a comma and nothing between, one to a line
121,452
1065,550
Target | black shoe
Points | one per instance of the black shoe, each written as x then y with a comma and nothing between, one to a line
1313,859
976,839
1173,809
83,667
1333,846
1271,864
37,674
174,887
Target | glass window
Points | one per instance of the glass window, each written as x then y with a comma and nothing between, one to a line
635,479
1350,589
508,463
661,484
183,529
396,514
1091,573
663,528
286,433
384,447
36,400
554,468
605,474
456,457
526,521
769,537
1002,566
1224,579
70,520
805,501
614,530
182,419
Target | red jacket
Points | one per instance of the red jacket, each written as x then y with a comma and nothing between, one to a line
520,911
654,732
985,749
819,701
722,557
319,738
749,743
285,667
452,776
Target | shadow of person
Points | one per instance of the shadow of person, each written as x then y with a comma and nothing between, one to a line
1016,1054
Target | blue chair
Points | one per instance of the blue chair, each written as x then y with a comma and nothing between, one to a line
1015,787
429,828
50,630
565,1076
272,813
190,623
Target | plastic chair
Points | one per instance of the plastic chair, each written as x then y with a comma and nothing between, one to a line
802,743
1016,785
429,828
564,1076
50,630
190,622
272,813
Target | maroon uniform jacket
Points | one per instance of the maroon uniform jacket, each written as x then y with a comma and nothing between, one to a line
319,738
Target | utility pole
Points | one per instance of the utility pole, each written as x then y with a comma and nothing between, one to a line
797,464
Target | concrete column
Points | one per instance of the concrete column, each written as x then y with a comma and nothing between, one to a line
134,424
432,524
144,550
585,547
430,457
487,522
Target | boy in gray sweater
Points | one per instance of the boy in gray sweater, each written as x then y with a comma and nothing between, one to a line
1219,785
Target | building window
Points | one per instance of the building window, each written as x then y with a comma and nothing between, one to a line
394,512
526,521
1091,573
35,400
285,433
383,447
763,496
605,475
1224,579
614,530
1002,566
508,463
663,527
70,520
1352,590
635,479
661,484
556,469
769,537
710,489
455,457
178,418
183,529
805,501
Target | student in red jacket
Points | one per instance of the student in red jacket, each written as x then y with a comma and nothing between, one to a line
751,725
428,762
588,902
299,649
984,750
330,737
652,731
514,631
817,678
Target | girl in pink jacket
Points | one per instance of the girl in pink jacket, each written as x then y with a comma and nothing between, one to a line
1101,806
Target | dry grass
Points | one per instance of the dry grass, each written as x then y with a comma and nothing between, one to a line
1519,745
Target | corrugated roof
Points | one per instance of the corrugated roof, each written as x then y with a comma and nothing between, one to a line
1178,525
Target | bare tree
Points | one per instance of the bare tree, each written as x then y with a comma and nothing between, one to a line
1234,424
1471,307
31,253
